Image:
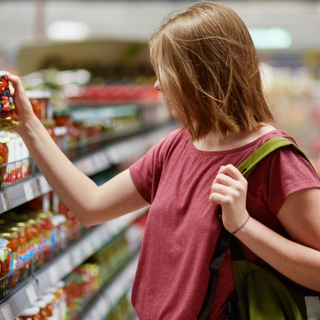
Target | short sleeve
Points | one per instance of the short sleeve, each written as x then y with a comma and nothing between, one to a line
146,172
289,172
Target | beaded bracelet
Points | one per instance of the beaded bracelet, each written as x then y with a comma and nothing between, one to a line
233,233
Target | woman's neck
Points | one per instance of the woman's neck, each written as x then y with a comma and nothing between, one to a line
214,143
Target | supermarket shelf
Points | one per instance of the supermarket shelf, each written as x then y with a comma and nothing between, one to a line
63,264
22,192
119,152
112,293
97,161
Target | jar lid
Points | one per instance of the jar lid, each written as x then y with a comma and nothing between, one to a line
31,311
40,303
13,228
48,297
44,215
33,222
2,73
24,224
8,234
38,94
10,224
19,217
38,220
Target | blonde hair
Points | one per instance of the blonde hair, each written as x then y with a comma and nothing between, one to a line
208,69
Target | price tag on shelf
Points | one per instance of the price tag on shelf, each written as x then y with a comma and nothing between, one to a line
5,200
76,257
54,276
87,248
102,308
31,293
6,312
107,303
94,314
35,188
65,263
94,241
44,185
28,191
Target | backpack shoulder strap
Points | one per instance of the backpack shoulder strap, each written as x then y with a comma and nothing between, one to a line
269,146
224,239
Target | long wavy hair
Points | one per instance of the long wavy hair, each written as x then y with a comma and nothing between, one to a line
209,71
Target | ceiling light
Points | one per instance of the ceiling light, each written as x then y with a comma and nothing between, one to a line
67,30
273,38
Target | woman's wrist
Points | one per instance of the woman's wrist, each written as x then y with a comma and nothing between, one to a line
244,223
28,127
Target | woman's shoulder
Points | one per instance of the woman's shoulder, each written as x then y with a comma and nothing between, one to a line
177,136
275,133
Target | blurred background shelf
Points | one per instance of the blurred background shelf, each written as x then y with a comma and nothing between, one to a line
66,261
92,59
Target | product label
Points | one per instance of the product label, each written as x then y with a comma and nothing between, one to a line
37,244
30,249
11,261
6,101
48,237
15,260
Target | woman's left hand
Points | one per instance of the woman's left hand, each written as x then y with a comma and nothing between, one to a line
229,190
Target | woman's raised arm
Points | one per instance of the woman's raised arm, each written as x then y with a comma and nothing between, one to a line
90,203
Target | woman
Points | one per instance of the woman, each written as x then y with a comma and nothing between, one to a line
208,71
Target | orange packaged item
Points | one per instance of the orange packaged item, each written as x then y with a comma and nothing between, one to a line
4,153
5,259
31,313
8,116
49,299
40,101
30,237
73,223
43,309
56,300
22,243
62,118
38,242
48,234
13,246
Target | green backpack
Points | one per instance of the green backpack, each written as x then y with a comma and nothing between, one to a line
261,293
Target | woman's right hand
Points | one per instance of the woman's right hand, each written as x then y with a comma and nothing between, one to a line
21,101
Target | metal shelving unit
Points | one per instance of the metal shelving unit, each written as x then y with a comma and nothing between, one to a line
112,153
63,264
108,297
91,163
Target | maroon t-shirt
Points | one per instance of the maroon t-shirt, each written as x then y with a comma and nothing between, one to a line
182,226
